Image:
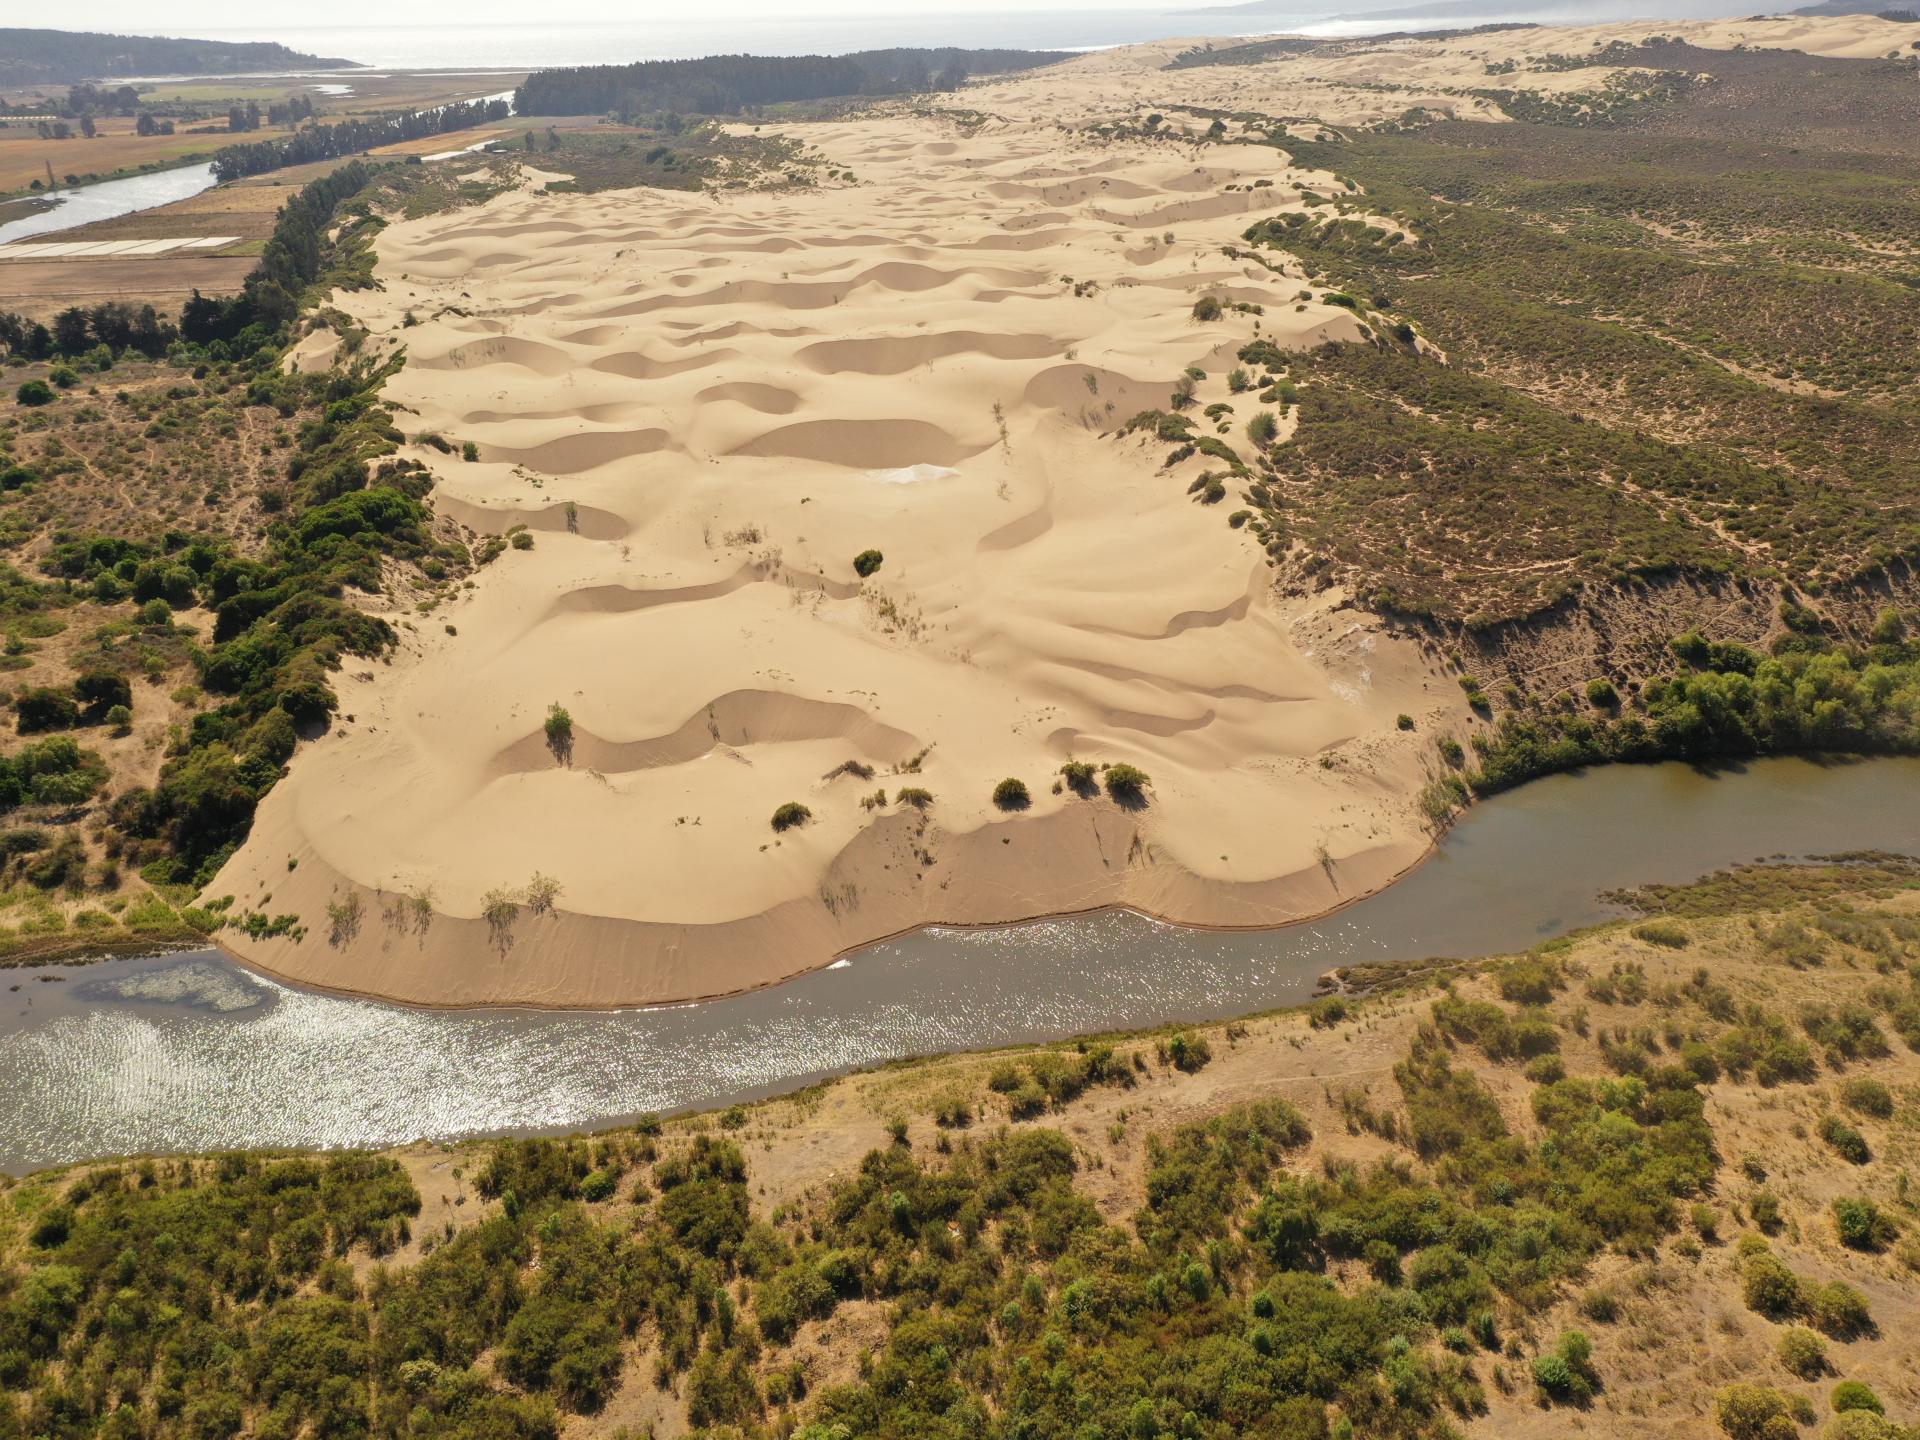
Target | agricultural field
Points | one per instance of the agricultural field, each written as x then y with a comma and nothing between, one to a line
200,109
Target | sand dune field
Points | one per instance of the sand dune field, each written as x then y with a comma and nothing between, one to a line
704,406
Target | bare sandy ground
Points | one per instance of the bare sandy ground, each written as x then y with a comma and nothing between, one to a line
705,406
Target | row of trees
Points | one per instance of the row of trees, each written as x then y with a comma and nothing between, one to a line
270,298
77,330
728,84
351,137
98,100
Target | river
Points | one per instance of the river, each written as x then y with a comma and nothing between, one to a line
109,199
194,1052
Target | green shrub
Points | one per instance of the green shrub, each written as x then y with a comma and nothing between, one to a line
1206,309
1840,1310
1769,1287
867,562
1601,695
1188,1052
469,451
34,393
913,795
1803,1352
1126,783
791,814
1545,1069
1755,1412
1856,1395
1846,1141
1862,1225
1263,429
1079,776
1011,794
1869,1097
1664,933
1566,1372
1328,1011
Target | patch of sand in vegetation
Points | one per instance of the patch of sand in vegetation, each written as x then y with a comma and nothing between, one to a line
702,410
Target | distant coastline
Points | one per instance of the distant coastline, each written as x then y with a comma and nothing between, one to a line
545,45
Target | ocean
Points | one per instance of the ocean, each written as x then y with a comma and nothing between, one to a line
519,47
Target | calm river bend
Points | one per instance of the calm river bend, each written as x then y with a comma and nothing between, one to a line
193,1052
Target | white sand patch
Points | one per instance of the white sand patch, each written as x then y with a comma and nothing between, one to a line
913,474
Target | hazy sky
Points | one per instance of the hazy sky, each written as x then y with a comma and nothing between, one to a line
156,17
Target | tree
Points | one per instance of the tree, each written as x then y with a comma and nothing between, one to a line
71,333
559,728
34,392
42,707
101,690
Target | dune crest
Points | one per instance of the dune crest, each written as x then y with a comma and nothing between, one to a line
935,364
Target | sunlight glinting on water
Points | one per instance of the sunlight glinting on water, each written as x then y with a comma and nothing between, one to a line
193,1053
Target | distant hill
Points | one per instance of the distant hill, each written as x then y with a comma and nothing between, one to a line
1855,7
1476,12
59,57
728,84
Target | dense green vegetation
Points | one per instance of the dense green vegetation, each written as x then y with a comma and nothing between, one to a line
1723,702
37,57
281,617
730,84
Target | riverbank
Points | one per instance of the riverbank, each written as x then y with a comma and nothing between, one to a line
98,1066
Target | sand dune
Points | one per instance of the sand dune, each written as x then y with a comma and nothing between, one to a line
708,409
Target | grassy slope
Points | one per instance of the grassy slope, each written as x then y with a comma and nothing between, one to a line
1679,344
1132,1249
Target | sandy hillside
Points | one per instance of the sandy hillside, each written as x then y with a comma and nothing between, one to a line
705,407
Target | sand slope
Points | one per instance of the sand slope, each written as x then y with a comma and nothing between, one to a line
705,406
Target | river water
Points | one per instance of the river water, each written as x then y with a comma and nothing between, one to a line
109,199
194,1052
